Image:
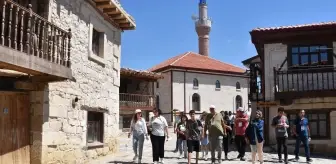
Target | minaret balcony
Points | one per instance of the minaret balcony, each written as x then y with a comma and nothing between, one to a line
203,23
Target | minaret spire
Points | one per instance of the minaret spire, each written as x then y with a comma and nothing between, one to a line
203,27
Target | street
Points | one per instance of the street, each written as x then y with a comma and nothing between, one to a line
126,154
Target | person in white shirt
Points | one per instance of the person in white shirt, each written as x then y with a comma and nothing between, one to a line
139,132
159,129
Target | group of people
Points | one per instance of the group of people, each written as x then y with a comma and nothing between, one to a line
214,131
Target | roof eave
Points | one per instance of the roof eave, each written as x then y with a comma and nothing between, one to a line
116,13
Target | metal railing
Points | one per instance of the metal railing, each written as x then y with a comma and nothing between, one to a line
136,100
25,31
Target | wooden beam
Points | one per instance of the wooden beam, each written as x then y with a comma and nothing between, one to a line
25,85
117,16
122,25
104,4
120,21
110,11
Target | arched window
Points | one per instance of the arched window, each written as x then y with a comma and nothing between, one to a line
218,85
195,82
237,85
157,101
196,104
239,101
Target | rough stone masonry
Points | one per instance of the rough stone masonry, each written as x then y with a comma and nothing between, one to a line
59,133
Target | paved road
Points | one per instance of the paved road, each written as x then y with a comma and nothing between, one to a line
126,154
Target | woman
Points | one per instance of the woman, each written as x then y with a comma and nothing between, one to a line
159,128
205,140
255,136
181,136
226,138
139,132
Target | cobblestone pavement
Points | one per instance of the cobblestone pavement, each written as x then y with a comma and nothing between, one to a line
125,155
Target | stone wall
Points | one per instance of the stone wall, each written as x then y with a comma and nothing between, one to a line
96,85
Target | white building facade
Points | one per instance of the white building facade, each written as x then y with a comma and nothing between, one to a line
192,88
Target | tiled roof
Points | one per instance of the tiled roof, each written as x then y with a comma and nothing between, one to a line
302,26
140,73
194,61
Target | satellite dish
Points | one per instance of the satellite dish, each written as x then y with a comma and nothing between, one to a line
194,17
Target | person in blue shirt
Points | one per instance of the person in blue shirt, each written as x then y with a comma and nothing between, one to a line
301,132
255,136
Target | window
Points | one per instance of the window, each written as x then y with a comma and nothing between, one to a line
96,46
157,101
196,104
239,101
218,85
157,84
312,55
318,123
96,43
195,83
238,86
95,127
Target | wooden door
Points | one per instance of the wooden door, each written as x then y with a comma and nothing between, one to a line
14,128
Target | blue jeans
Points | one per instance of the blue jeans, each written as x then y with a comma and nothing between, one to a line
304,140
182,146
138,140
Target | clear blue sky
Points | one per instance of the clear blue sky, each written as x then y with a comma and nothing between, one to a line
165,28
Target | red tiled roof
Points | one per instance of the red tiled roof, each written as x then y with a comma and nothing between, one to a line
302,26
194,61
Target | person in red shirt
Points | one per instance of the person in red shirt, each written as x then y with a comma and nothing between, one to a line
241,123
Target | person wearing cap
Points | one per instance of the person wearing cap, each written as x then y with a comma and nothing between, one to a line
255,136
217,130
139,132
241,123
280,124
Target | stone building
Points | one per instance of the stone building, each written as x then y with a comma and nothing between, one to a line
137,91
60,66
295,69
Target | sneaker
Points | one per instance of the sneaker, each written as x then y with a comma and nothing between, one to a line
219,161
296,159
161,160
242,159
280,160
206,157
238,156
226,158
135,157
139,161
309,160
180,157
155,162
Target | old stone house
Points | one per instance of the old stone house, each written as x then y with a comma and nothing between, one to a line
295,69
59,80
137,91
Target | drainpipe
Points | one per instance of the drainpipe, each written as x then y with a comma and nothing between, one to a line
184,91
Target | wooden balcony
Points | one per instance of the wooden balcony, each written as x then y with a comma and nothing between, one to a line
134,101
31,44
303,83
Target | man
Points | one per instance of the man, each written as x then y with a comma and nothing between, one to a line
217,129
194,128
241,123
226,138
177,121
280,124
231,118
302,132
